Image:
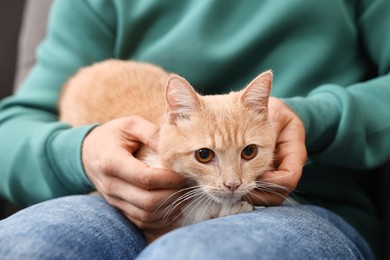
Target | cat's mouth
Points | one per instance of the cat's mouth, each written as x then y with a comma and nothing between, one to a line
217,195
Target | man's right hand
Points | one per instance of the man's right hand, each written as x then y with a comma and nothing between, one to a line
140,192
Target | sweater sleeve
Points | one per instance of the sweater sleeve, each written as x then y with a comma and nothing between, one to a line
40,157
349,126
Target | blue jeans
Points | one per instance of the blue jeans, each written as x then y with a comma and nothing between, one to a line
86,227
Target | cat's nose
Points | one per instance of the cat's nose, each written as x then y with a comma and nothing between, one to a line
232,185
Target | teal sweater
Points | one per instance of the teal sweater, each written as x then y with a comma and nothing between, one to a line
330,60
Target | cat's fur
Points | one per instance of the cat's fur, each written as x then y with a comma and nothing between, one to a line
226,124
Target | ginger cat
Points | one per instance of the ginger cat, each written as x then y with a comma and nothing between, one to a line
220,143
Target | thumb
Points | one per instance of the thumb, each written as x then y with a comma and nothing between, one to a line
141,130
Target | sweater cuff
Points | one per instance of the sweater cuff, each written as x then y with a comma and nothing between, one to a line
320,113
64,152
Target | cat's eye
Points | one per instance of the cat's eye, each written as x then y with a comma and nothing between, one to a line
249,152
204,155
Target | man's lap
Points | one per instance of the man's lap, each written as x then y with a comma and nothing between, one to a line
87,227
302,232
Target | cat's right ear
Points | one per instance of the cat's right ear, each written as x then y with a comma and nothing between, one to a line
181,98
255,96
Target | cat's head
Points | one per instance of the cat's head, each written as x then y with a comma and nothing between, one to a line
221,143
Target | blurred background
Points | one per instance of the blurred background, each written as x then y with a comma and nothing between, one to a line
11,12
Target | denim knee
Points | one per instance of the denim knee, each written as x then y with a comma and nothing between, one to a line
269,233
74,227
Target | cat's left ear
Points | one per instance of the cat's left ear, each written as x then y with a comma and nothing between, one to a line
255,96
181,98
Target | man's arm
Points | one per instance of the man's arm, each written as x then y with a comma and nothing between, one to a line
40,157
349,126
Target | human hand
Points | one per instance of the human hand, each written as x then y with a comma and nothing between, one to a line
140,192
290,156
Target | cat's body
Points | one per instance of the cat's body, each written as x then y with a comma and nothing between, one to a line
220,143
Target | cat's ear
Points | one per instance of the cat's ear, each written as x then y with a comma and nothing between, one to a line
181,98
255,96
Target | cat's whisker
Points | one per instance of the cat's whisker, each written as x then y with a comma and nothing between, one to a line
173,220
182,199
172,195
269,185
184,190
189,195
258,196
270,190
274,178
292,201
210,200
264,188
199,200
247,198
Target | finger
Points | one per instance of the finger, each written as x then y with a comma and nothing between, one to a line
140,218
290,152
133,171
273,187
291,143
141,130
279,180
266,198
151,201
157,217
290,159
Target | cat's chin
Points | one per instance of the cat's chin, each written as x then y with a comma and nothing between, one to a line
226,199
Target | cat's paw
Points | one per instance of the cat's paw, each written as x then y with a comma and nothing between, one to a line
238,207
